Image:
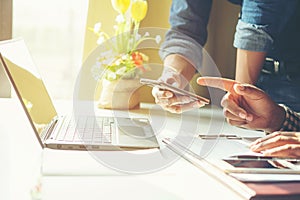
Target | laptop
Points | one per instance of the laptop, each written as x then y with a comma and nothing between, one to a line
82,132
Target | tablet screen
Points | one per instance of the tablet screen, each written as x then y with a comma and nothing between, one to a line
247,163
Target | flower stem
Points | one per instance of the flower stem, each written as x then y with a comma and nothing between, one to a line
135,34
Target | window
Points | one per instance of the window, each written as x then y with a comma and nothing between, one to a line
54,33
5,33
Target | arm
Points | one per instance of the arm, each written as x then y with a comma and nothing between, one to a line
182,51
182,66
257,30
188,32
248,65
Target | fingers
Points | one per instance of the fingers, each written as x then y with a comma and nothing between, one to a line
180,100
180,108
249,91
279,144
174,103
231,116
169,98
232,86
232,110
217,82
275,140
161,94
288,150
233,119
242,100
260,140
229,101
238,123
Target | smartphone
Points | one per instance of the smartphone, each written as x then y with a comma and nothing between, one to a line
164,86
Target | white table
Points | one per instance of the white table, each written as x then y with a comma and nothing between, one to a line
76,175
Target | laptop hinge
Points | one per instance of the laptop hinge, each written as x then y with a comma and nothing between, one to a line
48,129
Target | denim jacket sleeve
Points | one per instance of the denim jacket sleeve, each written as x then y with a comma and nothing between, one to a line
188,32
261,22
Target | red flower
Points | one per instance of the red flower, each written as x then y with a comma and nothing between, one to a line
138,60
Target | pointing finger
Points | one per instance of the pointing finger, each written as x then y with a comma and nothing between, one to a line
217,82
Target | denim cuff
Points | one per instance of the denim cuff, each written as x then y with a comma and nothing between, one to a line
178,43
252,37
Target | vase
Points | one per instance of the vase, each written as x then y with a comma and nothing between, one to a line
120,94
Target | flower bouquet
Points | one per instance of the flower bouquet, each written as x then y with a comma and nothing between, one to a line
119,67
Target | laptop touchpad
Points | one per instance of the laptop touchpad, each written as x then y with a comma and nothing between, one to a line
135,127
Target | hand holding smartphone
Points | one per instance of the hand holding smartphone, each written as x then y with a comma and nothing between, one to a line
164,86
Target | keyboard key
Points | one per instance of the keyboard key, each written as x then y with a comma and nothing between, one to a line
89,129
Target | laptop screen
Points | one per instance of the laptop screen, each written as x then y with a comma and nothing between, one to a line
29,87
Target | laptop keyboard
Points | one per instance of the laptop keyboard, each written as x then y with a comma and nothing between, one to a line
88,129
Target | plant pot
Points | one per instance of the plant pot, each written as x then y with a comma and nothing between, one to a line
121,94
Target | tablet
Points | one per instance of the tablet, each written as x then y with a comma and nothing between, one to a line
261,164
164,86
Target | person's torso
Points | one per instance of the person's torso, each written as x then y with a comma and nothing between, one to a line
287,46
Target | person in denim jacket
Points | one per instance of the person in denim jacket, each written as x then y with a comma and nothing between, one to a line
267,39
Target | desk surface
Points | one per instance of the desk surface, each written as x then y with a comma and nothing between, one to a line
76,175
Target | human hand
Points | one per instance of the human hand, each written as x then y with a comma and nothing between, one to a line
279,144
247,106
170,101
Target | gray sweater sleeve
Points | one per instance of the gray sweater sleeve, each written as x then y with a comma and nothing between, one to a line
188,32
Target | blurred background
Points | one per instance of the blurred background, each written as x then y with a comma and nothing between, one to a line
57,36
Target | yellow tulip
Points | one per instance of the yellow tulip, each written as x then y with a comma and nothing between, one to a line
120,6
139,10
